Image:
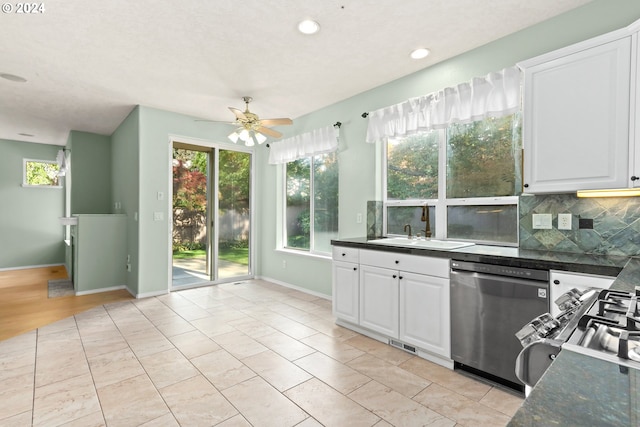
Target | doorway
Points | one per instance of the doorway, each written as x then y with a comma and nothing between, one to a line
212,216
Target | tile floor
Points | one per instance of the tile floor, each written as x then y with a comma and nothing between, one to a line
249,354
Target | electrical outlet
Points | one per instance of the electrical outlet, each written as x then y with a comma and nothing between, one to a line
564,221
284,263
359,218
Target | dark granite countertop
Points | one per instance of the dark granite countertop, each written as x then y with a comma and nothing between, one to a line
581,391
508,256
577,389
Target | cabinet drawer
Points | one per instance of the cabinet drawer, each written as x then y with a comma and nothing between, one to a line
411,263
341,253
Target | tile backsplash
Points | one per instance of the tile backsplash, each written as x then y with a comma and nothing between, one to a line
616,224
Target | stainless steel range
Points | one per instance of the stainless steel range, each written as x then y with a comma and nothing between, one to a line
600,323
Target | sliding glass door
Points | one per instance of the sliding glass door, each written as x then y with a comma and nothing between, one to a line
211,232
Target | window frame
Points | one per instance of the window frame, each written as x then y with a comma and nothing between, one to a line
442,203
24,173
312,251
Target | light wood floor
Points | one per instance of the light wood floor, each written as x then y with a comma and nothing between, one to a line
25,305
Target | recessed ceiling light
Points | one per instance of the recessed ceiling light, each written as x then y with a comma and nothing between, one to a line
308,26
420,53
13,77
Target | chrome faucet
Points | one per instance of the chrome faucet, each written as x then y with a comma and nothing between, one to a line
405,230
425,218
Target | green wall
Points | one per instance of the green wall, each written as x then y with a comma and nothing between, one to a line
91,169
359,161
124,183
156,129
30,232
141,143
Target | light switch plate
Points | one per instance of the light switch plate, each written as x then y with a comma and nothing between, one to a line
541,221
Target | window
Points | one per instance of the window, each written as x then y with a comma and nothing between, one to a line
311,215
40,173
468,174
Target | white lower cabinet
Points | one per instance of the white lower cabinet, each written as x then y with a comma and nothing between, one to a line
424,313
346,284
379,300
562,282
346,291
399,296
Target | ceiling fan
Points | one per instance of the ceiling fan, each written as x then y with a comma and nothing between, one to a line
251,128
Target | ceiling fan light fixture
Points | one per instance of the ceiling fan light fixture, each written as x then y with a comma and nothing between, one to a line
244,135
234,137
260,138
308,26
420,53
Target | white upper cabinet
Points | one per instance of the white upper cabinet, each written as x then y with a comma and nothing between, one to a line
634,157
576,128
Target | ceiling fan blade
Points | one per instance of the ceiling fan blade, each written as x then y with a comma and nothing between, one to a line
272,133
214,121
275,122
239,114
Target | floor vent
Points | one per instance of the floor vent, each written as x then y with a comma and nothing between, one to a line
403,346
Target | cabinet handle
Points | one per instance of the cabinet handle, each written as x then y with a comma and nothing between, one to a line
344,254
400,277
394,276
634,178
355,268
397,262
556,282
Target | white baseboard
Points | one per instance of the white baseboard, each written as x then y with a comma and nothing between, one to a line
99,290
297,288
149,294
26,267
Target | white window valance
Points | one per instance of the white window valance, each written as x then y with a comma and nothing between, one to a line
496,95
318,141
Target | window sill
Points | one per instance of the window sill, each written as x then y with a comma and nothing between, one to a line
304,253
41,186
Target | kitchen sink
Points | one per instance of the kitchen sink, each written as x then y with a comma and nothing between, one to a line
443,245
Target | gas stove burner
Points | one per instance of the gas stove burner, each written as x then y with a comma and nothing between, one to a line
604,324
611,326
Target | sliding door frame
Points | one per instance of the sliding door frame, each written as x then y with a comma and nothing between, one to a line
213,206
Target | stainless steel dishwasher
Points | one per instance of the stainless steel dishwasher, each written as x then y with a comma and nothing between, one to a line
489,304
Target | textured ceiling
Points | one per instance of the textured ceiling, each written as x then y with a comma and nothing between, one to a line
88,63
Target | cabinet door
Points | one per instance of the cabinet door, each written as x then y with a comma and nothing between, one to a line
576,120
562,282
424,313
379,300
345,291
